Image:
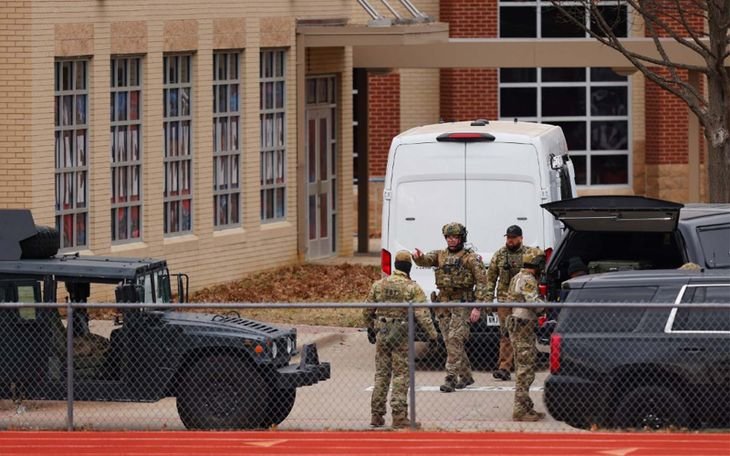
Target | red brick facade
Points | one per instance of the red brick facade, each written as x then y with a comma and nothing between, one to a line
667,116
469,93
383,119
470,18
666,127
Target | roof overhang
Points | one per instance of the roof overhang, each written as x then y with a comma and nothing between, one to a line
357,35
513,53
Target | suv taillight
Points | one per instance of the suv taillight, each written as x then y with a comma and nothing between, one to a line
555,342
385,261
548,254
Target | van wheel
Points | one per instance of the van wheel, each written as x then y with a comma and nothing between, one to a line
650,408
222,392
44,244
281,402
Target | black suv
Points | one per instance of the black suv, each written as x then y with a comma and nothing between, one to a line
610,233
642,366
225,371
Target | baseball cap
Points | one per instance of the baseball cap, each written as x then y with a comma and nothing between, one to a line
514,230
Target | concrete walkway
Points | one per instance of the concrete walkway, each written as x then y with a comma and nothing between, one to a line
371,258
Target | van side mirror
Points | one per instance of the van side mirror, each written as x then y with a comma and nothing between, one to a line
556,162
183,283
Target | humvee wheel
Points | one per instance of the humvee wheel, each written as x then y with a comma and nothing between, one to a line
281,401
222,392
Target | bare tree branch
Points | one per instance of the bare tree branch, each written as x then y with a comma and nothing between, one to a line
651,17
610,39
683,19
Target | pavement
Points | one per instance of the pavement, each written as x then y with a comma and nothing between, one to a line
371,257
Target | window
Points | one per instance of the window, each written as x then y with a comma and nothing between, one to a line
226,139
597,319
71,144
702,319
178,161
715,242
273,134
590,104
126,148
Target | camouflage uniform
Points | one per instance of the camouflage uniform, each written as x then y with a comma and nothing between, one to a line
391,347
504,266
521,326
460,277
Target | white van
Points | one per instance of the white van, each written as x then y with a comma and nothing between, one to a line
486,175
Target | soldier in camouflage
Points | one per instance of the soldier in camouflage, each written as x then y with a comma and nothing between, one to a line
460,277
388,330
521,327
506,263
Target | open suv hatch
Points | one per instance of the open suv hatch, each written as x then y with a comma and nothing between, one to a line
612,233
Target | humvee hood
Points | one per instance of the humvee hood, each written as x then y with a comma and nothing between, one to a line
221,322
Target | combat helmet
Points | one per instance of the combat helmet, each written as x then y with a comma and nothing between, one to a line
534,257
454,229
403,255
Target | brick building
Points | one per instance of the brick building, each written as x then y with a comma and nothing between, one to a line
218,135
626,135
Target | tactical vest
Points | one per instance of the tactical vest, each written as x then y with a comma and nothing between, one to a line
508,268
394,290
451,272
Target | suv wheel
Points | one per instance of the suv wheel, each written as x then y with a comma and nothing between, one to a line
222,392
650,407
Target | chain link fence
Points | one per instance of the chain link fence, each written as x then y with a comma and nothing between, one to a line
597,366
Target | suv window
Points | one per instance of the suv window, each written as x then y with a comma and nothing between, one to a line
605,320
715,242
702,320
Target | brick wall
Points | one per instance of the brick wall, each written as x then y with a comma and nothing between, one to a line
15,90
26,120
470,18
469,93
383,118
666,114
666,119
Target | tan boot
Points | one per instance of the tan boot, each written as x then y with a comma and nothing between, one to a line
377,421
400,422
449,385
464,382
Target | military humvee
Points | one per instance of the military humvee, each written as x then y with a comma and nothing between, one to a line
226,372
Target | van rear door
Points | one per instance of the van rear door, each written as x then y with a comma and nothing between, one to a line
503,188
426,184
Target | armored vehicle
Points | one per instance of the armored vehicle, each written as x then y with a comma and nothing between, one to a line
226,372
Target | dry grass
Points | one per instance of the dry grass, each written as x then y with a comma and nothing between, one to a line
299,284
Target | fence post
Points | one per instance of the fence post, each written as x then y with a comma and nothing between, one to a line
69,367
412,365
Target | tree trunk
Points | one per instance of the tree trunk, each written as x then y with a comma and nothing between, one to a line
718,172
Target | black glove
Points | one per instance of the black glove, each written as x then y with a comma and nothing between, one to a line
372,335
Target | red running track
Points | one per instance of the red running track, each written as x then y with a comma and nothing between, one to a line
24,443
